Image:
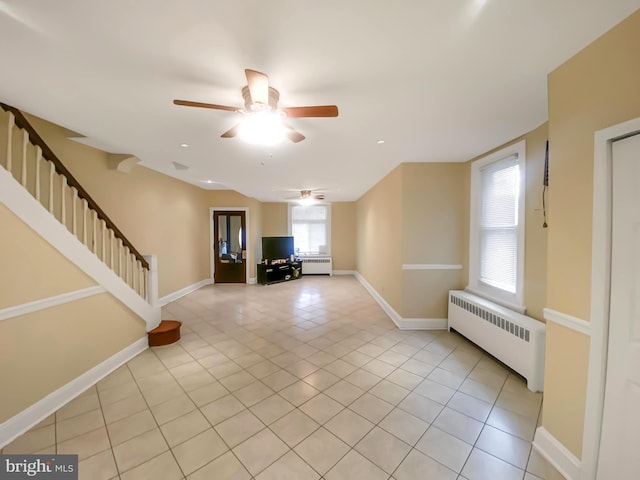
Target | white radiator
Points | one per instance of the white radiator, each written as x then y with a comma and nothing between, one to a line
316,266
514,339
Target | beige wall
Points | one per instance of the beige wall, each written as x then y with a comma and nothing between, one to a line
157,213
379,238
49,348
434,231
418,214
595,89
31,268
536,236
275,221
343,235
42,351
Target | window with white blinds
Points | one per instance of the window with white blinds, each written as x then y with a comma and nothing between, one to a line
497,226
310,226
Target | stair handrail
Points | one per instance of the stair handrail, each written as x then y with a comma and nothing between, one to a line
22,122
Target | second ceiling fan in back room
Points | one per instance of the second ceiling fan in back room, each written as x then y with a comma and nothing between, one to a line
262,121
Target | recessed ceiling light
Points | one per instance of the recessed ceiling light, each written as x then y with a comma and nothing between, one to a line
380,142
184,145
210,181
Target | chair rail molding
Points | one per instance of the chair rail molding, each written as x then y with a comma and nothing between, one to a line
48,302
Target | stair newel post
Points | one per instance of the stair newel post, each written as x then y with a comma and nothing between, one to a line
38,162
94,240
74,211
63,200
12,122
151,280
23,171
52,171
85,205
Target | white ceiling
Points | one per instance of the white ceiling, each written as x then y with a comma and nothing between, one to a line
437,80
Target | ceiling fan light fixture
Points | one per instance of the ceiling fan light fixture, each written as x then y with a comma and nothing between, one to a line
263,123
305,198
262,128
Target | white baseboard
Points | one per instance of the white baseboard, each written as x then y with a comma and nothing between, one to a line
557,454
402,323
23,421
344,272
184,291
389,310
423,324
49,302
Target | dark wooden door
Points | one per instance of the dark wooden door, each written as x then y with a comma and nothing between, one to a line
230,247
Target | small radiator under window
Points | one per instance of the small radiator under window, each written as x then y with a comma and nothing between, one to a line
515,339
316,266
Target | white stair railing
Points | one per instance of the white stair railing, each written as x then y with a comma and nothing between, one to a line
89,224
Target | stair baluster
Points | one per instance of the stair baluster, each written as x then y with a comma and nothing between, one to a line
23,170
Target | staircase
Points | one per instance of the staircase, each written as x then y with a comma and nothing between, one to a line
37,187
79,300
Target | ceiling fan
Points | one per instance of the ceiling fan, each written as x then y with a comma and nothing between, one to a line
308,195
261,114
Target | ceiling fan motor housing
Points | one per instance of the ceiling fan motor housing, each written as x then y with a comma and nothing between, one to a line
250,106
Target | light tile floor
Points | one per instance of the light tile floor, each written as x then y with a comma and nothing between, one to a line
300,380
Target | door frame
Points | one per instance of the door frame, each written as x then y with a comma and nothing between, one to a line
600,289
212,260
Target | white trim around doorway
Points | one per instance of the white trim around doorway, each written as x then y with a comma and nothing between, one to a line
247,236
600,281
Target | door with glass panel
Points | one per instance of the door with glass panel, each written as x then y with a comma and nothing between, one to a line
229,247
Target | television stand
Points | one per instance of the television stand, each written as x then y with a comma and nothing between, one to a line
279,272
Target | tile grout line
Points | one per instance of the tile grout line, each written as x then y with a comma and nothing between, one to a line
336,335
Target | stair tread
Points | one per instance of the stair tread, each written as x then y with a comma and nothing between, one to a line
166,326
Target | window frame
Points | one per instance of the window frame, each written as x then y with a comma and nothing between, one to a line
514,301
327,226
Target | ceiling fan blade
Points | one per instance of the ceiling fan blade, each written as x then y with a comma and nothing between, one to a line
187,103
317,111
294,135
258,84
232,132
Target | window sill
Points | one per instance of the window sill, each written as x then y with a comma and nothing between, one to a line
500,301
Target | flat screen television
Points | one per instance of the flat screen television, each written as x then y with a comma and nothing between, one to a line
274,248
